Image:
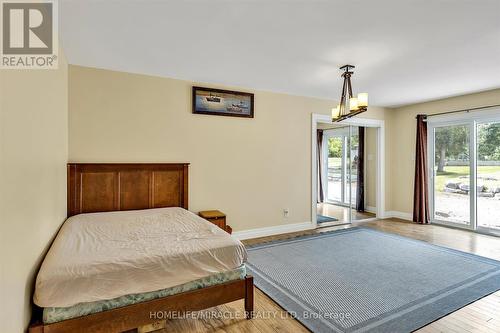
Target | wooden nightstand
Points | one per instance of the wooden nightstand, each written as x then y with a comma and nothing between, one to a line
216,217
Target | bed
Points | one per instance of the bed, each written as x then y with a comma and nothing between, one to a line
130,250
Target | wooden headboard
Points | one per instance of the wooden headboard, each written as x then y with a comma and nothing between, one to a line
103,187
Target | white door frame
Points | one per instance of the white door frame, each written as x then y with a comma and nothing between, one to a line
375,123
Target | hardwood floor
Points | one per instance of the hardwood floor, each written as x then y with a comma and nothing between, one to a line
480,316
341,213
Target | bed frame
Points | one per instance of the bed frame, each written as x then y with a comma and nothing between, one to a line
97,187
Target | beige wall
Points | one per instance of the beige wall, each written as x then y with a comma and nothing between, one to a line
33,156
249,168
403,146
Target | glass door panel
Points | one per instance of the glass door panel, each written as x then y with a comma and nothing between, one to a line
353,175
488,175
452,175
353,170
335,168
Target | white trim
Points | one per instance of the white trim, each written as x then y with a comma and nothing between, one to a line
287,228
380,125
381,169
314,185
366,122
274,230
398,215
371,209
336,132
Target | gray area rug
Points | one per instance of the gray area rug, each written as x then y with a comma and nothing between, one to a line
323,219
361,280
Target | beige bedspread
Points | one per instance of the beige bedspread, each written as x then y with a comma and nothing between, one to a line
101,256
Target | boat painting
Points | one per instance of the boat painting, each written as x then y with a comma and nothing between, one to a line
222,102
213,98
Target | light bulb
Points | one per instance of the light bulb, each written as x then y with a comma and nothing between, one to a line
362,99
353,104
336,112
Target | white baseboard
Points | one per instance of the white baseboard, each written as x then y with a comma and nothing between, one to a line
286,228
371,209
274,230
398,215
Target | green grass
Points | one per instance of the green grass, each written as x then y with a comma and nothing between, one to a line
453,172
450,172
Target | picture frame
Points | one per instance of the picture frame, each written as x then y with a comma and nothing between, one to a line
219,102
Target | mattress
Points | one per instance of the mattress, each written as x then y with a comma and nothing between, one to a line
54,315
102,256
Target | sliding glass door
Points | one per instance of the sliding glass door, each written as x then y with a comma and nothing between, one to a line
464,172
340,161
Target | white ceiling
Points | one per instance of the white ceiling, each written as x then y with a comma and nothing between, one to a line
405,51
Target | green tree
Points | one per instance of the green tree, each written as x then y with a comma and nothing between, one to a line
488,142
452,142
335,147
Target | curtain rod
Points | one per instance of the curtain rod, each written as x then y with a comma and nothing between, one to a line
464,110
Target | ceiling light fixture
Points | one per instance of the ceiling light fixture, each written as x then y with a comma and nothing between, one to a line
349,106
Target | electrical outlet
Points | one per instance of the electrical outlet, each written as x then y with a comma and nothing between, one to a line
286,212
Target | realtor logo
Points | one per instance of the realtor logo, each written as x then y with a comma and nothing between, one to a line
29,39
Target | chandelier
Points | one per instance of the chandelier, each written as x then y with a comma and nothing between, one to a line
349,106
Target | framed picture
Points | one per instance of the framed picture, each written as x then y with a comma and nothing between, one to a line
222,102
